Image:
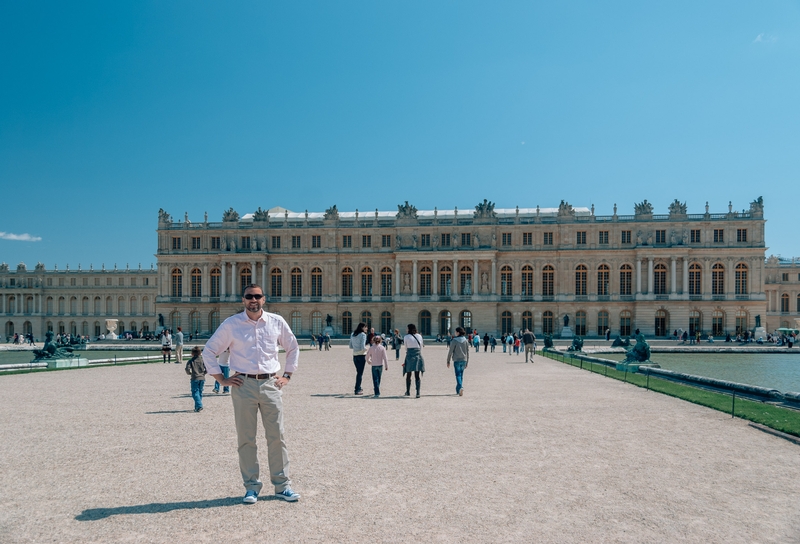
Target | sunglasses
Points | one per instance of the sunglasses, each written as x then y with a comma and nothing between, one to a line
251,297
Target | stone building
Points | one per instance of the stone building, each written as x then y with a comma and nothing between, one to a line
489,269
76,301
782,287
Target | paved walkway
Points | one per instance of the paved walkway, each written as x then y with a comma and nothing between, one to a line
532,453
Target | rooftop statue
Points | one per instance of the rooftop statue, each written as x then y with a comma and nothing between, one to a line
640,352
757,206
677,208
163,216
261,215
643,208
406,211
565,209
51,350
230,215
485,210
332,213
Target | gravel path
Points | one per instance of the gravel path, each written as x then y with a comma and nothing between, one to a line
532,453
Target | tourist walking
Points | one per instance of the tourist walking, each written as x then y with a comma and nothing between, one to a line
476,342
459,353
253,337
413,361
397,342
376,357
179,346
222,362
485,341
530,344
358,343
197,374
166,346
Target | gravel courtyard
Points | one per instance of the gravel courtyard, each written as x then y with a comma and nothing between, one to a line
537,452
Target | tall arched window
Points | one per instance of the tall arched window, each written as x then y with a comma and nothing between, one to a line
175,320
626,280
134,306
580,323
695,279
662,323
366,317
245,278
741,321
216,282
717,323
784,303
177,282
624,323
466,280
297,322
424,323
316,283
386,281
366,282
445,282
195,322
548,281
197,280
386,322
527,320
347,282
547,322
445,322
603,274
347,323
316,322
73,305
85,328
602,322
718,279
297,284
85,306
466,320
741,279
276,282
121,305
506,281
695,322
660,279
506,323
109,306
527,281
49,305
425,282
62,305
145,306
580,280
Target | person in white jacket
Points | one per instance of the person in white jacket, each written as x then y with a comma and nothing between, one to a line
358,343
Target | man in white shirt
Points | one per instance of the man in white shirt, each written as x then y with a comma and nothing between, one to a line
179,346
253,337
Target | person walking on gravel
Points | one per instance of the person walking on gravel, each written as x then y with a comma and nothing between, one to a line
376,357
530,341
413,361
358,343
253,337
459,353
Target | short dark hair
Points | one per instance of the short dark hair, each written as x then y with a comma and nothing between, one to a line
412,329
460,331
253,286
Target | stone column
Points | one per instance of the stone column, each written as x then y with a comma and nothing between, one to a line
205,285
674,276
650,275
685,276
253,272
454,282
398,279
435,278
638,276
234,288
706,278
223,285
415,279
493,288
264,275
475,277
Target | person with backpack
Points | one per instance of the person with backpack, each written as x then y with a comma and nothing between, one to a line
413,361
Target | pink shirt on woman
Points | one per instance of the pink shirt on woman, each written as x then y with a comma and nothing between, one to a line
376,356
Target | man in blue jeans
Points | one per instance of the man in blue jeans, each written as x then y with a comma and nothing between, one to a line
222,361
459,353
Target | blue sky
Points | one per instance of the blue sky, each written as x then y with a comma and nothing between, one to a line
112,110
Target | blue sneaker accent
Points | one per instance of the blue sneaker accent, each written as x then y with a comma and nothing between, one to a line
250,497
288,495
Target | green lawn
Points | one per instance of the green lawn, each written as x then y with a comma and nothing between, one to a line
775,417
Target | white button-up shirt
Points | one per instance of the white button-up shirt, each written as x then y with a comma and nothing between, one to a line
253,345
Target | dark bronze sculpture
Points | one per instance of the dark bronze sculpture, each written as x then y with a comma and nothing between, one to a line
51,350
619,342
548,340
640,352
577,344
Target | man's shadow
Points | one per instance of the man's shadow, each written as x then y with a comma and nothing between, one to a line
94,514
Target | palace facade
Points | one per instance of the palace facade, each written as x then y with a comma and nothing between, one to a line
493,270
782,287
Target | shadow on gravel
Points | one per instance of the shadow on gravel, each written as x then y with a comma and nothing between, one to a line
371,397
171,412
94,514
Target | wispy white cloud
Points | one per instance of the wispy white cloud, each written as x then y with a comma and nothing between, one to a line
765,38
19,237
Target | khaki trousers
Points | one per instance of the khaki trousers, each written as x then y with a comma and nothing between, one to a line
263,396
179,353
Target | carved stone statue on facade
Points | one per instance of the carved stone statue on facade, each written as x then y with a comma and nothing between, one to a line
477,239
565,209
328,320
673,238
685,237
406,282
484,281
261,215
485,210
649,238
163,216
677,208
230,215
406,211
494,239
398,241
757,206
566,320
414,241
639,238
643,208
435,242
332,213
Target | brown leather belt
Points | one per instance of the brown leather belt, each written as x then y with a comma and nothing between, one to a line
259,376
